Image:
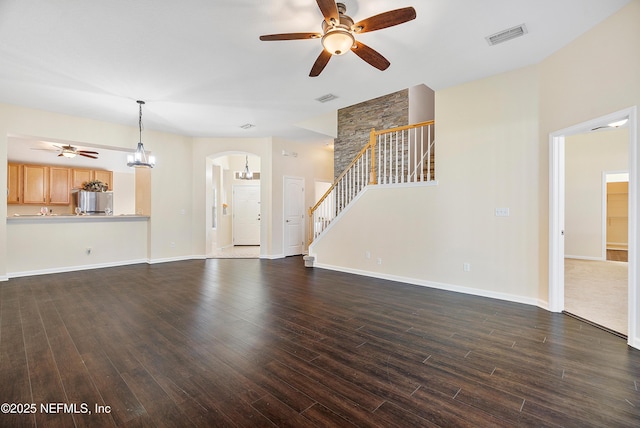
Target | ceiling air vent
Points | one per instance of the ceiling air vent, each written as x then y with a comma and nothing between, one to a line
247,126
505,35
326,98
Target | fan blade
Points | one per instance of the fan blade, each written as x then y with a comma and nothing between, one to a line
87,152
290,36
329,10
87,156
320,63
385,20
371,56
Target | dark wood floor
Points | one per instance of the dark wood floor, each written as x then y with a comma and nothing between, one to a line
271,343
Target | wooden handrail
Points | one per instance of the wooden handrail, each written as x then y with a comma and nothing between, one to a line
404,128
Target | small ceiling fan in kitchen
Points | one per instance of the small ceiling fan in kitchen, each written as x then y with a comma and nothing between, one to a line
339,33
70,151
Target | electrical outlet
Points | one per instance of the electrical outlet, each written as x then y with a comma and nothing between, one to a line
379,260
367,254
172,244
466,267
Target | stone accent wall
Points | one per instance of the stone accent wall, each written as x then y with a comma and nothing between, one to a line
355,123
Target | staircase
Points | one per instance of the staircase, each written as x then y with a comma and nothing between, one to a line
395,156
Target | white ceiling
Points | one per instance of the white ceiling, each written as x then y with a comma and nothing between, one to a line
203,71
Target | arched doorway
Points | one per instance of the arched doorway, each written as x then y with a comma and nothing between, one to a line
233,205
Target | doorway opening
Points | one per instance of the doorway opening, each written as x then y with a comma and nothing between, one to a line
233,205
561,231
616,218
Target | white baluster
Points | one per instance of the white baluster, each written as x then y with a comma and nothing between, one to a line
421,154
429,153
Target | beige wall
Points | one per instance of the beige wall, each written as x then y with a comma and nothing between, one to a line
39,245
587,157
486,159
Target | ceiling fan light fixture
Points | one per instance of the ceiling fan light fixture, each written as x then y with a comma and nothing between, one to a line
140,159
68,154
338,41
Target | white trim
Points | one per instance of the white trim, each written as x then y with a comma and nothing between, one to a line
74,268
556,214
305,219
556,223
176,259
633,338
405,184
603,232
439,285
272,256
598,259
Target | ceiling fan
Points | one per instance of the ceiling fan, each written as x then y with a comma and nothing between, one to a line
70,151
339,31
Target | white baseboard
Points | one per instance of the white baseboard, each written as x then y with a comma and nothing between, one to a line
442,286
634,342
74,268
585,258
176,259
272,256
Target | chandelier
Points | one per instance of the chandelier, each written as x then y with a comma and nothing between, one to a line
140,159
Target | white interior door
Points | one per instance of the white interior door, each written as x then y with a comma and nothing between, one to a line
294,214
246,215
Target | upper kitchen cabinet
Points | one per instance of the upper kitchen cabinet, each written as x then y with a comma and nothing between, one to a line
105,176
48,184
35,180
39,184
59,186
14,183
81,176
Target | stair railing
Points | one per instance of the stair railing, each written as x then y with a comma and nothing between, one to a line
398,155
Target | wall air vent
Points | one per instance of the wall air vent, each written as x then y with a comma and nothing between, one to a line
326,98
507,34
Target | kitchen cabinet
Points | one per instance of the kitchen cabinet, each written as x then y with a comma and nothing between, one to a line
59,186
105,176
34,184
14,183
48,184
81,176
